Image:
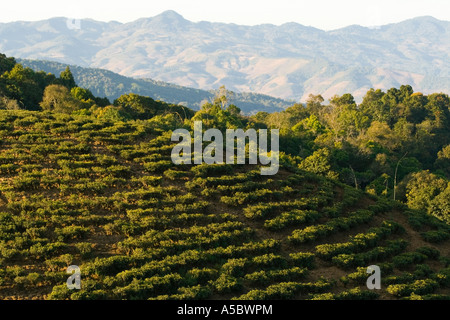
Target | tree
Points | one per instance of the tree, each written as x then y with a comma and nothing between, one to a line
66,78
233,110
392,97
439,110
112,113
6,64
345,99
380,133
314,104
393,100
261,116
9,104
414,107
58,98
444,154
143,107
440,205
82,94
374,107
214,116
443,160
319,163
288,118
379,186
102,102
404,132
44,79
344,118
310,124
405,92
20,84
222,97
422,188
139,107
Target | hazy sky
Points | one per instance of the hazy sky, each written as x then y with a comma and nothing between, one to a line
323,14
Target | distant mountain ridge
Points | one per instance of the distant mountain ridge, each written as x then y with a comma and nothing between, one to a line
289,61
104,83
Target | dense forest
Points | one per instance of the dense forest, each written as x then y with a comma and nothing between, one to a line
394,144
87,182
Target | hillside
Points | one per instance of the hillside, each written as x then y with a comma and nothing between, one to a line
105,196
289,61
104,83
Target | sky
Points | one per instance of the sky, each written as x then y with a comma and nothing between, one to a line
322,14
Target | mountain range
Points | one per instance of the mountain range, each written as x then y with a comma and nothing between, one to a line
289,61
104,83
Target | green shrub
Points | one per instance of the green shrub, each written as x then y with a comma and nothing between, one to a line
90,295
209,170
269,260
358,242
356,294
431,253
71,232
9,168
226,283
258,211
235,267
158,167
85,249
60,292
119,171
60,262
174,174
140,289
419,287
286,290
378,253
311,233
303,259
435,236
290,218
202,275
192,293
408,259
264,277
108,266
323,296
315,232
49,249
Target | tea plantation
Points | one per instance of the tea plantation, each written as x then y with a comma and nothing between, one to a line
105,196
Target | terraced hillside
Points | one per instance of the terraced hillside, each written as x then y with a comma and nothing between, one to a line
106,197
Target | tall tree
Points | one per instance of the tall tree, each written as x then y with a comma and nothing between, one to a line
6,64
422,188
314,104
58,98
223,97
137,106
67,79
374,107
21,85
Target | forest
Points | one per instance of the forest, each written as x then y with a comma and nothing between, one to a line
88,182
